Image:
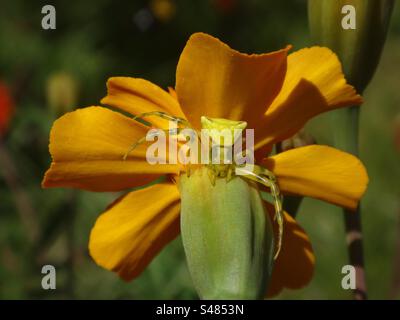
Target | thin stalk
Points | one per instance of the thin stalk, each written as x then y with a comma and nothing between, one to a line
346,138
395,288
23,202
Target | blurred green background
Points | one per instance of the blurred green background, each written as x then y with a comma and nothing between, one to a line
52,71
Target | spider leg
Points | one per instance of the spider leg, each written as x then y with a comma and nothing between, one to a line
262,176
173,132
133,147
162,115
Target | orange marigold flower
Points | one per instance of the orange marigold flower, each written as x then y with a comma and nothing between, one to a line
275,93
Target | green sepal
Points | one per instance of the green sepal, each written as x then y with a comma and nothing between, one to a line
227,236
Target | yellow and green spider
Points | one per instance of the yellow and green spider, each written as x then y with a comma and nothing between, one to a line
222,169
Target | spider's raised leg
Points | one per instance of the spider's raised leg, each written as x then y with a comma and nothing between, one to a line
175,131
274,187
267,178
162,115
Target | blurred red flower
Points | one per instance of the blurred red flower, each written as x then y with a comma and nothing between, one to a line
225,6
6,108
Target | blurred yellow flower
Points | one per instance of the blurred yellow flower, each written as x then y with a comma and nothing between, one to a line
62,92
163,10
275,93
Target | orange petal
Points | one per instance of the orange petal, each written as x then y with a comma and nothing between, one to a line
87,147
137,96
314,84
320,172
218,82
172,92
294,267
128,235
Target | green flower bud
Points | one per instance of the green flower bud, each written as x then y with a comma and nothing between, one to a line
360,48
227,236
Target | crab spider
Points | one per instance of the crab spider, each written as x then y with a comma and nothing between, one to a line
225,170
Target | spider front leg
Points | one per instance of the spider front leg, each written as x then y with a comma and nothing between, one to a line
175,131
274,190
267,178
162,115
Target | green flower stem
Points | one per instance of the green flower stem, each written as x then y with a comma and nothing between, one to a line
23,202
346,129
359,50
346,123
